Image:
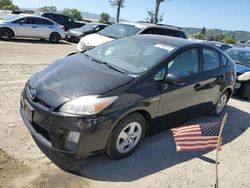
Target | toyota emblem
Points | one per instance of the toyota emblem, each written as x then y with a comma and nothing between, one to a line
32,94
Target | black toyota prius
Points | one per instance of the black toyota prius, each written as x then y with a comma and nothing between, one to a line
106,99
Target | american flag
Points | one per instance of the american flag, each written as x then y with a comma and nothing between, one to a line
197,137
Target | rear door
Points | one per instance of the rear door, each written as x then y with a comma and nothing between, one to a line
213,74
43,27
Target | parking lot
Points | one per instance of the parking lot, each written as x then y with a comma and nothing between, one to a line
154,164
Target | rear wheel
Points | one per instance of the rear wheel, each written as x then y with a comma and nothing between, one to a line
54,37
220,105
126,136
6,34
245,90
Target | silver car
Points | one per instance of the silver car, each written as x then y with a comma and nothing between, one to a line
31,27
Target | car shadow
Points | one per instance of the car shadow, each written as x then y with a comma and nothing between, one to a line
156,153
38,41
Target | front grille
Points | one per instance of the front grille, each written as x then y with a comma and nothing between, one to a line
41,102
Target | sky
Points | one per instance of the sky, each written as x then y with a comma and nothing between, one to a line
221,14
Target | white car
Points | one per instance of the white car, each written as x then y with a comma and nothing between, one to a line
125,29
31,27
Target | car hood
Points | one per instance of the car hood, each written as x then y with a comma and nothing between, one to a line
95,39
75,76
240,68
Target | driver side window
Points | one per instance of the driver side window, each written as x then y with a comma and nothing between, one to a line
185,64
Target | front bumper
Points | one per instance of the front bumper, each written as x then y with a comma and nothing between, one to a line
73,38
52,129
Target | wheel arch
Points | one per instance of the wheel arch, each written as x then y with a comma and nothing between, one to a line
146,115
55,32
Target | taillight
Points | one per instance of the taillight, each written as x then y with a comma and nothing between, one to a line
61,26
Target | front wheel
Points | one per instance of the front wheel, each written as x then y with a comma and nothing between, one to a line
245,90
6,34
126,136
220,105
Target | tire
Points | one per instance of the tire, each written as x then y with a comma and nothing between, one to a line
220,105
245,90
126,136
6,34
54,37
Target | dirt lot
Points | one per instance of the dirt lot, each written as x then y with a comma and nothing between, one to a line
155,164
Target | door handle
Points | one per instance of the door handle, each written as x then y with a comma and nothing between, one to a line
34,26
197,87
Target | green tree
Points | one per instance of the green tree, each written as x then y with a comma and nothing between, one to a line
7,5
156,18
229,40
203,31
51,9
150,17
118,4
73,13
104,18
199,36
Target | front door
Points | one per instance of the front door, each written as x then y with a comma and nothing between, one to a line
178,102
26,28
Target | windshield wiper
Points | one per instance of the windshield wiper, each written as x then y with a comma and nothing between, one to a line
109,65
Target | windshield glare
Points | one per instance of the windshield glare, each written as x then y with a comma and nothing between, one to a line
119,30
88,27
133,56
241,56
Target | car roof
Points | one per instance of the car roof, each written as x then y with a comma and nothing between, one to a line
142,25
34,16
167,40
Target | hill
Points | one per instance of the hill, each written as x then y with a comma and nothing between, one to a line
239,35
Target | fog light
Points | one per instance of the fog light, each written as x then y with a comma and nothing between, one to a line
72,140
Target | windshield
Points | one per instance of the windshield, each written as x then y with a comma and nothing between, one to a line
241,56
132,56
88,27
119,31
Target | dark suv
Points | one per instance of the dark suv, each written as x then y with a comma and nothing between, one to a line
66,21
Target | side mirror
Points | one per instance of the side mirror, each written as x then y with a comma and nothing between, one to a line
174,79
22,22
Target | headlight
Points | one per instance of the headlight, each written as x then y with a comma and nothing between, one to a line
87,105
244,77
76,33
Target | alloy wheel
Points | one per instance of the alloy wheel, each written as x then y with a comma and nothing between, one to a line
221,104
129,137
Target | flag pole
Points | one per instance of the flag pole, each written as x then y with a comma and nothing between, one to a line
218,148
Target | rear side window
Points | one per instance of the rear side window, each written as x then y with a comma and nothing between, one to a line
149,31
42,21
224,60
166,32
179,34
211,59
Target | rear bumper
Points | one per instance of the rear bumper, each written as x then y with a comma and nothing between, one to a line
52,130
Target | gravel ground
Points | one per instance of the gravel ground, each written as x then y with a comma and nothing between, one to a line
154,164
